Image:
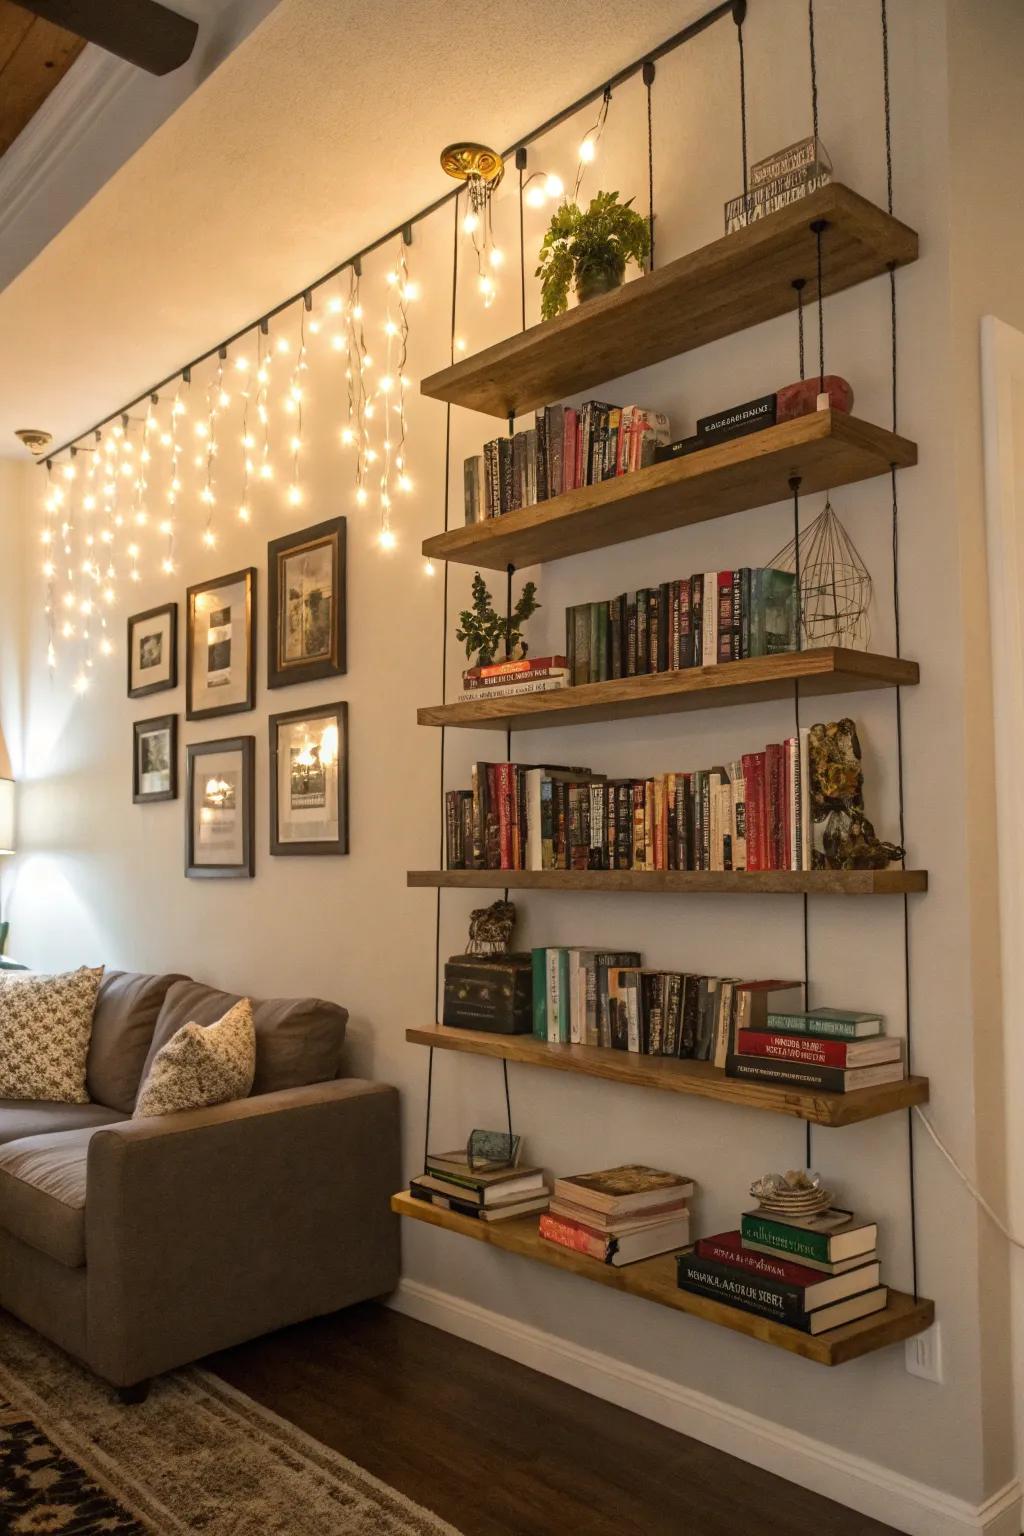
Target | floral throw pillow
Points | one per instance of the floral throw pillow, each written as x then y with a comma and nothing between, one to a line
200,1066
45,1029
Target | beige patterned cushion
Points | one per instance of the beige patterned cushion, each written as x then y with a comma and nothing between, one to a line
45,1028
201,1066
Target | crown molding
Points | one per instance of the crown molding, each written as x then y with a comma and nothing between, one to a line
84,94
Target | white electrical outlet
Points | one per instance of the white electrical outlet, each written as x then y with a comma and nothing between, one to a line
924,1354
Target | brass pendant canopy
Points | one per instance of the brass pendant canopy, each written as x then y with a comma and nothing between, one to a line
465,161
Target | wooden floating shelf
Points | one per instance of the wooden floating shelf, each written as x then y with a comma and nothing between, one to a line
823,671
825,448
655,1280
724,287
689,882
693,1077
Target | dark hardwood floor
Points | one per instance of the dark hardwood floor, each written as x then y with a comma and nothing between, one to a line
500,1450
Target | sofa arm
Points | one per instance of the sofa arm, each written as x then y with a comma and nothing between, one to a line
213,1226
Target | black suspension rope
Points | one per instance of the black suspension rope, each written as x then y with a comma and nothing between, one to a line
887,107
508,1097
648,79
814,72
819,226
794,486
738,15
521,167
800,283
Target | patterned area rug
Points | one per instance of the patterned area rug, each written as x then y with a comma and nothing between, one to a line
196,1456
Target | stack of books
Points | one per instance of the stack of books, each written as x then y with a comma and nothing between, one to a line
494,1194
607,998
782,178
698,621
511,679
809,1272
564,449
619,1215
754,814
828,1049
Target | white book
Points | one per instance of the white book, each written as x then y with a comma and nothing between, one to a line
534,841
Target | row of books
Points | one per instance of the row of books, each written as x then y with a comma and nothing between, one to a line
710,617
487,1193
619,1215
608,998
753,815
565,448
828,1049
813,1273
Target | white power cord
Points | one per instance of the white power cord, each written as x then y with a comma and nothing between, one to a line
967,1183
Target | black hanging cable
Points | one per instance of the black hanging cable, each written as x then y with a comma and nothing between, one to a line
814,73
887,102
739,11
819,226
794,486
508,1097
800,283
648,79
521,167
444,686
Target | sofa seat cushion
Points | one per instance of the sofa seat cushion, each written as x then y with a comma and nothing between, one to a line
37,1117
122,1031
298,1040
42,1193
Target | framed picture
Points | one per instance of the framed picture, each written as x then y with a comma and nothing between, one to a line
155,765
220,654
309,780
219,815
153,651
306,605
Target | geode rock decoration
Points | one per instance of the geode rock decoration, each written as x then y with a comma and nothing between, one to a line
837,802
490,928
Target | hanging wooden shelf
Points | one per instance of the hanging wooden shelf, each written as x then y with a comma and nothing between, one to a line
722,288
655,1280
699,1078
825,449
689,882
824,671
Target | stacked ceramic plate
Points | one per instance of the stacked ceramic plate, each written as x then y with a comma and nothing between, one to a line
791,1194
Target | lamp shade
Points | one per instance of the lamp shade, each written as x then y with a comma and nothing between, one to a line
6,816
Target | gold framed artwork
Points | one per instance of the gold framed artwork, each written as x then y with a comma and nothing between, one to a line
220,652
306,605
220,809
153,651
309,780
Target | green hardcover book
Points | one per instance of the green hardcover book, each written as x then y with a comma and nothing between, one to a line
755,640
600,669
825,1238
539,960
595,644
581,646
564,999
779,610
830,1023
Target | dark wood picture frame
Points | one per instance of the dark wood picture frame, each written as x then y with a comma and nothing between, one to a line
280,673
311,712
145,727
246,747
138,618
248,576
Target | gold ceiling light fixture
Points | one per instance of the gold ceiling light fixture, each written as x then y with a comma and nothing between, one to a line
34,438
482,170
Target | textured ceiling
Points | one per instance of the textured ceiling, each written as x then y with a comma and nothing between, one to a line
272,171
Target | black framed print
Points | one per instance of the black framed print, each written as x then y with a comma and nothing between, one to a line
309,780
220,809
155,765
220,652
153,651
306,605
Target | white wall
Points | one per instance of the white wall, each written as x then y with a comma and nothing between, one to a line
99,879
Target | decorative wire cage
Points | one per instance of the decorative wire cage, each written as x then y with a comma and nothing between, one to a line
834,583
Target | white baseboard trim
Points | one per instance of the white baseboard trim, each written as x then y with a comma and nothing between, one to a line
862,1485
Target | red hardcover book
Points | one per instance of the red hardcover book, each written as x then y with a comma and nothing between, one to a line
504,799
569,480
823,1053
773,805
753,775
727,1248
513,668
786,849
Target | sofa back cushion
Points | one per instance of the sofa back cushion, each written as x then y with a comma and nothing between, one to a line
298,1040
122,1032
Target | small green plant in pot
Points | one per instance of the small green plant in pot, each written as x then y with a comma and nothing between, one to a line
589,249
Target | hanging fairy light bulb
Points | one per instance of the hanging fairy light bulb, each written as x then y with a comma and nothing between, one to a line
482,170
263,359
248,441
356,432
48,537
589,143
179,410
207,432
391,387
293,403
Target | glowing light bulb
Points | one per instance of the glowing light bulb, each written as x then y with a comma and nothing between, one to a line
209,538
165,439
337,342
497,257
167,566
89,503
357,312
392,279
471,223
294,496
166,526
108,594
411,292
404,483
587,150
335,305
391,329
81,683
371,455
283,344
369,410
386,539
386,382
266,472
207,496
242,364
201,429
135,576
133,551
460,344
296,444
347,436
224,398
69,472
248,441
86,608
367,362
361,496
314,326
428,568
486,286
554,186
46,537
68,600
534,196
49,569
244,513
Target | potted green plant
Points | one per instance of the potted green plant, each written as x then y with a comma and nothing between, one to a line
485,632
589,249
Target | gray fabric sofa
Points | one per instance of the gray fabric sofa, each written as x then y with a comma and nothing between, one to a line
139,1245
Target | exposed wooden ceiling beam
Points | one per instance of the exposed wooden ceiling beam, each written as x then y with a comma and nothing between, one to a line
147,34
35,56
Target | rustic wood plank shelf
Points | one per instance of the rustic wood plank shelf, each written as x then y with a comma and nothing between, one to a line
813,882
722,288
655,1280
825,448
827,670
693,1077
